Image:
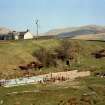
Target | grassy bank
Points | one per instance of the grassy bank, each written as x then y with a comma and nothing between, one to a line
85,91
15,53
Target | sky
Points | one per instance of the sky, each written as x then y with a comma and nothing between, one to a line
22,14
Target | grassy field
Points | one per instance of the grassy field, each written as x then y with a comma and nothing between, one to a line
15,53
88,91
84,91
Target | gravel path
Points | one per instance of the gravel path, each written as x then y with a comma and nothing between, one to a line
68,75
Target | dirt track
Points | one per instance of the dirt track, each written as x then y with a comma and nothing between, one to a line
59,76
69,74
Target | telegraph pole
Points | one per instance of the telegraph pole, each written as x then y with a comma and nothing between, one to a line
37,26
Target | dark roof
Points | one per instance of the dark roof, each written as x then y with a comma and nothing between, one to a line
22,33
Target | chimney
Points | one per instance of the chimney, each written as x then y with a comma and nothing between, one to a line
27,30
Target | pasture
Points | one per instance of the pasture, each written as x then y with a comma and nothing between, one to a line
81,91
84,91
15,53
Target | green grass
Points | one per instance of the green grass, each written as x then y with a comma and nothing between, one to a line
14,53
51,94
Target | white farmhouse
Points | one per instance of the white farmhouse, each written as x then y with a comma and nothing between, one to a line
24,35
28,35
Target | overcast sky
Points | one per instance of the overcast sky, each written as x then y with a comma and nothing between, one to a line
21,14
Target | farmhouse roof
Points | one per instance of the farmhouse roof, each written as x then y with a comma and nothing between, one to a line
14,33
23,32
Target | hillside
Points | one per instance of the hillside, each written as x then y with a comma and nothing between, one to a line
81,91
75,31
4,30
100,36
15,53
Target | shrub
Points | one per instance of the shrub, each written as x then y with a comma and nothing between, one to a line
66,50
47,58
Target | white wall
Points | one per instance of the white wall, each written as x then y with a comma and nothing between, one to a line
16,37
28,35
